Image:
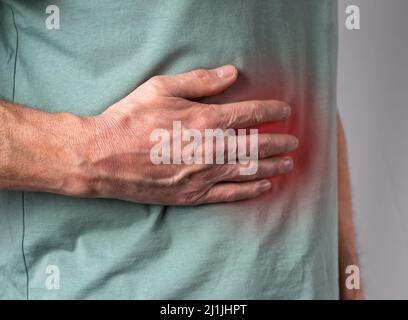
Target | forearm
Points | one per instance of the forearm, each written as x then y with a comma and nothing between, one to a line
347,248
37,149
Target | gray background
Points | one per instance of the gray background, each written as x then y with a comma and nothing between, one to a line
372,92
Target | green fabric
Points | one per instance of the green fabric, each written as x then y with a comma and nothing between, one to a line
282,245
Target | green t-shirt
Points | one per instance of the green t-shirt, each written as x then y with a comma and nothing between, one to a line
281,245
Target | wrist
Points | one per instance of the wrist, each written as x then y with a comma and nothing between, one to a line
87,148
79,149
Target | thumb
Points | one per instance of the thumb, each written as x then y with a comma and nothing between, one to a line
197,83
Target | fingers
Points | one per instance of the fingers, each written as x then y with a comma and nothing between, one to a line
250,113
244,147
194,84
266,168
269,144
275,144
230,192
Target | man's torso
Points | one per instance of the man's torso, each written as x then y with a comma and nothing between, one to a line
281,245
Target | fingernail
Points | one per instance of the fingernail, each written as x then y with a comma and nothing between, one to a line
225,71
293,144
287,165
265,185
287,111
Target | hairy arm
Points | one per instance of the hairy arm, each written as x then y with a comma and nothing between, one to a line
347,246
37,149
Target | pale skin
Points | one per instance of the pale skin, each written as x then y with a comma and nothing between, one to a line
107,155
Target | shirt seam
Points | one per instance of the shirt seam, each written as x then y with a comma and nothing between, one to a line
22,193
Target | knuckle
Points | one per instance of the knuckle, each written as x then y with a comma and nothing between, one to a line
212,109
199,195
156,79
226,171
258,111
201,74
198,199
230,117
202,119
230,195
266,149
156,84
180,179
206,79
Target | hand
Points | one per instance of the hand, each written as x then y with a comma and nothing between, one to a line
116,147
